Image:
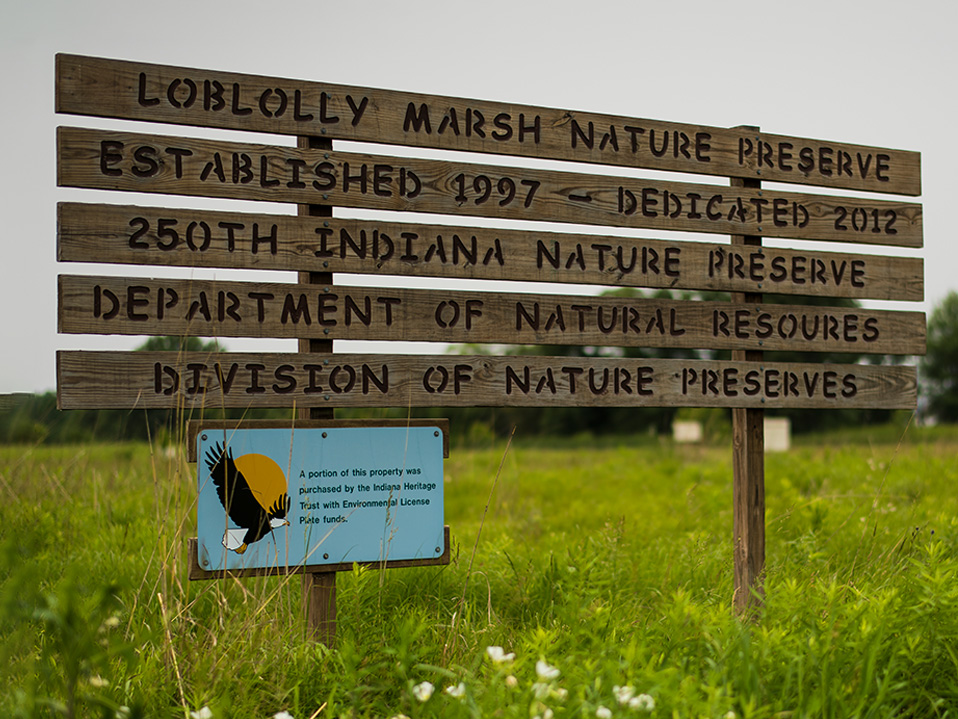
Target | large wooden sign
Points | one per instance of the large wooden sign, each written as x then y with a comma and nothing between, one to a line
316,311
211,168
208,98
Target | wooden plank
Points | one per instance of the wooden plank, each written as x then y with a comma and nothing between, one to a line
208,98
198,238
188,166
196,572
192,381
194,426
215,308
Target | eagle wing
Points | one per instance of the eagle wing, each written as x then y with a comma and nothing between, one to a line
233,490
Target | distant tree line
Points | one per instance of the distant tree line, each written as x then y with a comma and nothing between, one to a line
35,419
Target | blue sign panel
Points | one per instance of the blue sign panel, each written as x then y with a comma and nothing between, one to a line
284,497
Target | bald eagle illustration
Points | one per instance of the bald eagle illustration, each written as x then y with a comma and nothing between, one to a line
254,493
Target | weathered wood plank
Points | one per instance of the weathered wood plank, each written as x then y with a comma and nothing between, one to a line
196,571
160,93
194,426
189,166
193,381
198,238
215,308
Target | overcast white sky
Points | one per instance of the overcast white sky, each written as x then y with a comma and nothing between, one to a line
873,73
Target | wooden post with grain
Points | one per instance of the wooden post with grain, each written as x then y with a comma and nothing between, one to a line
319,588
748,469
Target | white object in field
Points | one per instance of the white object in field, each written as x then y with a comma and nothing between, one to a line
687,431
778,434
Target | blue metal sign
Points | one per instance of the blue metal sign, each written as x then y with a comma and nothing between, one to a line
284,497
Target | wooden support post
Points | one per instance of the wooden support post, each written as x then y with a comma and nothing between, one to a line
748,467
319,588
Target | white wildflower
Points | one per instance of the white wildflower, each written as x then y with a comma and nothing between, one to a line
603,713
541,690
512,682
123,712
499,656
111,622
730,715
204,713
561,693
545,672
282,715
643,702
98,682
623,694
423,691
458,691
547,714
399,716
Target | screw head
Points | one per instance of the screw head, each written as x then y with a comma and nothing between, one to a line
438,550
325,555
203,437
325,435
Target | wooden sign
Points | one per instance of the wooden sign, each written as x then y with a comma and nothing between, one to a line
317,178
202,238
207,308
208,98
209,168
196,380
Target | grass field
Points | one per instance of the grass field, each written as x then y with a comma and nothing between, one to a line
609,562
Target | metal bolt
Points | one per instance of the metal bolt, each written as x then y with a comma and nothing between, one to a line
760,343
325,264
325,556
325,361
325,435
326,331
325,224
760,285
325,289
763,400
323,131
325,197
326,155
326,397
438,550
435,434
203,437
758,172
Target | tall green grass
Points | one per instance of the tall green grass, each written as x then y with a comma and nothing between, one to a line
612,564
